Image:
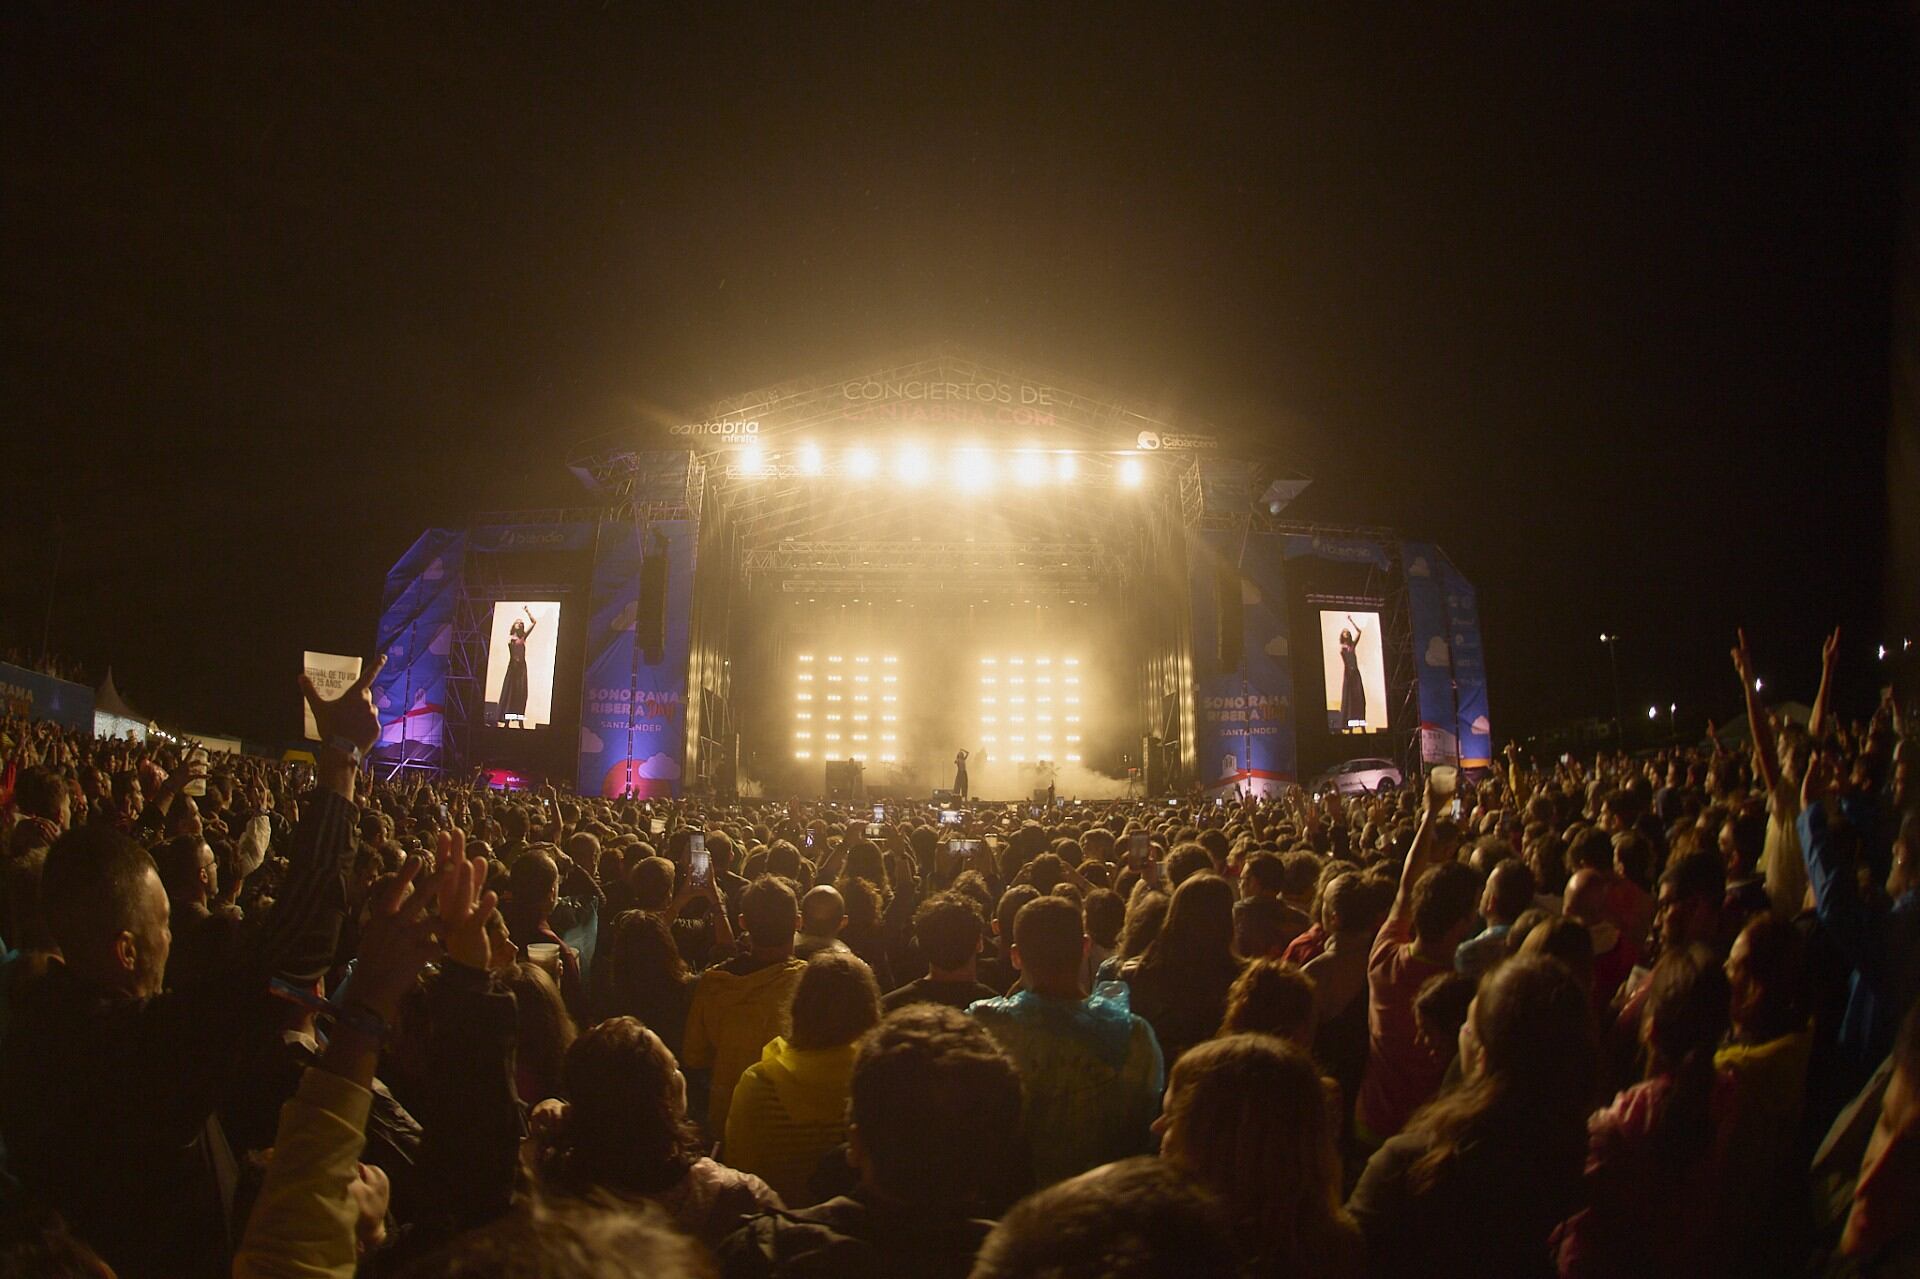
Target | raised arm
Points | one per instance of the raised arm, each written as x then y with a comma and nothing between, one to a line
1829,654
1419,854
317,1208
1763,749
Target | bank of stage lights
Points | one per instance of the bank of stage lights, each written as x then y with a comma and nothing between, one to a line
972,470
1030,708
847,706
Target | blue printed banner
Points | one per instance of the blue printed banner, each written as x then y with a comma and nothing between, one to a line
36,696
633,701
1432,652
416,634
1245,713
1469,668
512,538
1347,550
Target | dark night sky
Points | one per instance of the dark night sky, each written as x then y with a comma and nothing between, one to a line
1601,303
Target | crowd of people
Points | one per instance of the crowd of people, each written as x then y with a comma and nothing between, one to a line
1636,1016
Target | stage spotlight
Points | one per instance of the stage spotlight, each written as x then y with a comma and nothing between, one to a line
1029,467
862,464
911,465
1131,472
752,460
810,461
889,759
803,754
987,661
1073,759
803,736
806,657
972,470
1065,467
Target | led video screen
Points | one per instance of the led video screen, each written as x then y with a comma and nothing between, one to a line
520,663
1356,673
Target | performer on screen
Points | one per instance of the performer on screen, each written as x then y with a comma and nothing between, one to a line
513,689
960,775
1353,693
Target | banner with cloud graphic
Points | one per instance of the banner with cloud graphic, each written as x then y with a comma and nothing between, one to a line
1244,705
1475,730
633,700
1433,655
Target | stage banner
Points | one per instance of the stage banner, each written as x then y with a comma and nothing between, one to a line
517,538
35,696
331,674
1347,550
633,701
1433,654
1244,705
1469,668
416,634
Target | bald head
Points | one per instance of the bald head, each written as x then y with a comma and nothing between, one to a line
822,911
1586,898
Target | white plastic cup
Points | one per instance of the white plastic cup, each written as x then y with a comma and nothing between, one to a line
544,954
1445,779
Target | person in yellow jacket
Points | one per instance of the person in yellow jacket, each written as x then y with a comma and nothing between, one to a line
742,1004
790,1107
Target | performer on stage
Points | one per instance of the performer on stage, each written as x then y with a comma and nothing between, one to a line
1353,693
960,774
513,688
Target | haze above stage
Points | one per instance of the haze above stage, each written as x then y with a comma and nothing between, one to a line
961,524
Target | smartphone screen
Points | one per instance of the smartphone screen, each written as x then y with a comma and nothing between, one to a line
951,817
699,864
1138,848
697,843
873,830
879,812
658,825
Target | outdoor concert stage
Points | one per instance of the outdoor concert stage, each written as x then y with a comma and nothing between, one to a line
890,564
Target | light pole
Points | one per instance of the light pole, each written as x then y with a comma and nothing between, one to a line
1613,668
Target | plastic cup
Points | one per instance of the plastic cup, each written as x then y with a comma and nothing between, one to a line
545,954
1445,779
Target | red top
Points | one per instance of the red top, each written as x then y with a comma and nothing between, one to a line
1401,1073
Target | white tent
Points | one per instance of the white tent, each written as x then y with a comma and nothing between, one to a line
113,716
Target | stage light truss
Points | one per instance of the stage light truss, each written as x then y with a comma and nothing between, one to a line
1049,568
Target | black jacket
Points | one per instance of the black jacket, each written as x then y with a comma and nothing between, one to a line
107,1102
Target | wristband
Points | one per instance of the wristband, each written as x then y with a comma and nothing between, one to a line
356,1016
343,746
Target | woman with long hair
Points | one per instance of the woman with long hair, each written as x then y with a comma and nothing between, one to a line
513,685
545,1032
1654,1157
865,932
1480,1177
647,977
1180,981
623,1130
1353,690
1246,1117
790,1107
1146,915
